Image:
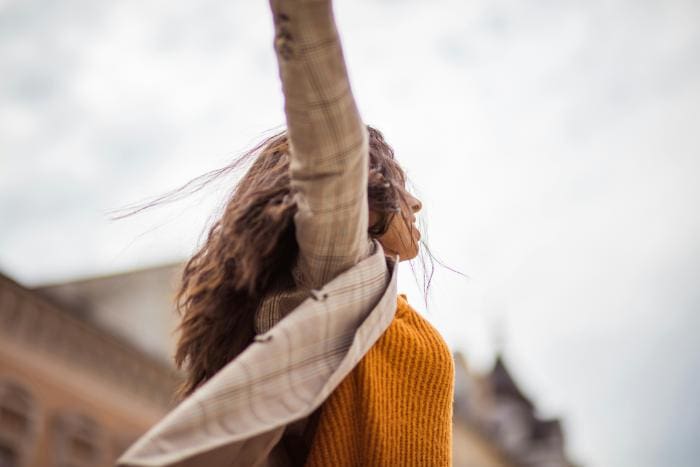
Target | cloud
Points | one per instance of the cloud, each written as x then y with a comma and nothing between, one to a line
553,144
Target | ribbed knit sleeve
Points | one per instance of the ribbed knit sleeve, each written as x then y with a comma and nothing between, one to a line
395,407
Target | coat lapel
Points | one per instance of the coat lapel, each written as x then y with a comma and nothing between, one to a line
238,416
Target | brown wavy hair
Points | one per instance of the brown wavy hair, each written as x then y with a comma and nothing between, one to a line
251,243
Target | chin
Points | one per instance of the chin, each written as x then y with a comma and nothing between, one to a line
408,255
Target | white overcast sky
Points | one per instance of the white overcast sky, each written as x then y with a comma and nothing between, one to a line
555,146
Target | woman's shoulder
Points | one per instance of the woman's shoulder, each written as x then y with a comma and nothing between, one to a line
405,312
410,328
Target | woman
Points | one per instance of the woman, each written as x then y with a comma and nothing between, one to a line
296,347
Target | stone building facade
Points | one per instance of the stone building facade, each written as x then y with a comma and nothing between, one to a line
86,367
71,394
491,407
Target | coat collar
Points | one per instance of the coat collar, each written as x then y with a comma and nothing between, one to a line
283,376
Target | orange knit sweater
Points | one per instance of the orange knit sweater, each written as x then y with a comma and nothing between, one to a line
395,407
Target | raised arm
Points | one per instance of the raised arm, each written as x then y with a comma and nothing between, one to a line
328,141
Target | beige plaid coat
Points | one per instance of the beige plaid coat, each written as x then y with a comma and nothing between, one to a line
344,288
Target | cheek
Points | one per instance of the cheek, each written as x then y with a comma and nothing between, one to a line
373,218
399,236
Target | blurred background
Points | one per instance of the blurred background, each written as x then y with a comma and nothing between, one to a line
554,146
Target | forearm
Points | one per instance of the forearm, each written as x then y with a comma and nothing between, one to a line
328,140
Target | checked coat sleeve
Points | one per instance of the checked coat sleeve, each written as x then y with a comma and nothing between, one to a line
239,415
328,142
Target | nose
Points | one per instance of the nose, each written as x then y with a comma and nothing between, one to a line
414,203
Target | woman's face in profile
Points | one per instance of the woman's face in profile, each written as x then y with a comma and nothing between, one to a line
402,237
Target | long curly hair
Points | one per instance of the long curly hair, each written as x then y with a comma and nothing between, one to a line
253,242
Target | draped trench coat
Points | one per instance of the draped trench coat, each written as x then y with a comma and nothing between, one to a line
344,296
238,416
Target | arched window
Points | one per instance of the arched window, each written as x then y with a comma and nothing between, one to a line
78,441
17,424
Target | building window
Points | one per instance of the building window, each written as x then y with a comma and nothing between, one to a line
17,424
78,441
8,456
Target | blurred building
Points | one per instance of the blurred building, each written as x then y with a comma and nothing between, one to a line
86,367
71,393
491,409
136,306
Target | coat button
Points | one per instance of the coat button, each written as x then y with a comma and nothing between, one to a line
284,42
262,337
318,295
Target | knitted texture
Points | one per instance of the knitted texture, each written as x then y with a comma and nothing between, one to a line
395,407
